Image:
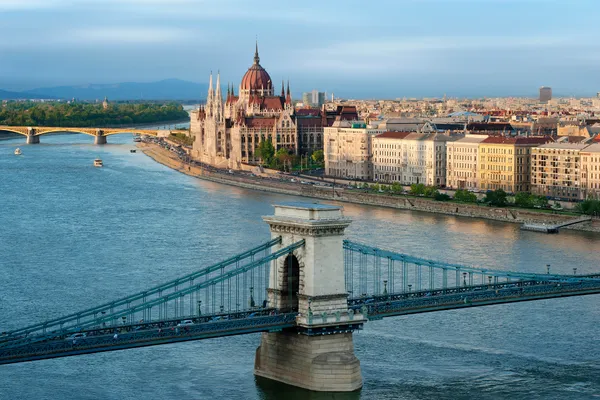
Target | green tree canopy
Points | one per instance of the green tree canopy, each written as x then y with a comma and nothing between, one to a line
465,196
496,197
318,157
589,207
265,151
25,113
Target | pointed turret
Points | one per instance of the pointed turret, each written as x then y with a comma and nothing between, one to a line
209,97
288,98
218,93
282,89
256,57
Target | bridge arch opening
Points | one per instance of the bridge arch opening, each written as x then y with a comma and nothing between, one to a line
290,282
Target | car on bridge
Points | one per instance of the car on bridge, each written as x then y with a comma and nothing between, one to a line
76,336
186,322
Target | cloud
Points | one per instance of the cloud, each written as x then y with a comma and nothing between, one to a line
411,54
49,4
126,35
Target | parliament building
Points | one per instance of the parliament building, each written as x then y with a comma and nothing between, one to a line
227,130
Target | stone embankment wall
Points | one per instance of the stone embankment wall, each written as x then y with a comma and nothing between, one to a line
513,215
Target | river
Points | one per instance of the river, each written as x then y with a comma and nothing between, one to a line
72,236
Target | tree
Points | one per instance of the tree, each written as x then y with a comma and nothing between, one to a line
441,197
265,151
417,189
396,188
464,196
430,191
589,207
318,157
282,158
523,199
496,198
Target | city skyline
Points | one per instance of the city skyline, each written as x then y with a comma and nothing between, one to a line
407,48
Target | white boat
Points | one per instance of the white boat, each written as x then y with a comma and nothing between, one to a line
98,162
18,152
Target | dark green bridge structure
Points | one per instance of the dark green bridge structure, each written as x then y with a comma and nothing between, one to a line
261,290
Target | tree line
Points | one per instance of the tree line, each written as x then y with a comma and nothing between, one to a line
18,113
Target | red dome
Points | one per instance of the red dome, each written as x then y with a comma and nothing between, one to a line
256,78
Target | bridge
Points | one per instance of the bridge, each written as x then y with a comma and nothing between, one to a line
306,290
100,134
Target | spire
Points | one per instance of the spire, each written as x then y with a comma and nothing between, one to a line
282,89
288,98
210,88
218,93
256,57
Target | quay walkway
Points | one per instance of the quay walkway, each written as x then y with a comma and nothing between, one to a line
553,228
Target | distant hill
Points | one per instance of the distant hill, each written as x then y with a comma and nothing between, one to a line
169,89
8,95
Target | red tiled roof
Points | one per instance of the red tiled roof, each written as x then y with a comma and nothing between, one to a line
597,139
271,103
308,112
308,122
393,135
517,140
259,122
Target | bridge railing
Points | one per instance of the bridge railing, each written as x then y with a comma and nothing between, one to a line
251,289
425,301
372,271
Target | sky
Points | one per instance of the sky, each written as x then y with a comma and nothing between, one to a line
358,49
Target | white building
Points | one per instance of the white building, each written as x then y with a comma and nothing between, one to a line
347,150
462,158
590,171
410,157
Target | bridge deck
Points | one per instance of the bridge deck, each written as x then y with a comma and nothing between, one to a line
157,333
378,307
374,307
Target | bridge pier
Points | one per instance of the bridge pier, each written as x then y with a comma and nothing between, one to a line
33,139
99,139
319,353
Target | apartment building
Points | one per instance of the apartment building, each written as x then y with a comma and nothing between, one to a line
590,171
556,170
504,162
462,162
410,157
347,150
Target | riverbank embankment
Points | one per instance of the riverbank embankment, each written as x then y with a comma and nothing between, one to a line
504,214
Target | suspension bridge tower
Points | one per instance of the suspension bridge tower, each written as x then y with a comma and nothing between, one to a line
319,353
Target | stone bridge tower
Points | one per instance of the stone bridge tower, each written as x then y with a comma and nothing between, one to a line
319,353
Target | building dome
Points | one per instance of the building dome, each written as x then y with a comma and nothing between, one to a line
256,78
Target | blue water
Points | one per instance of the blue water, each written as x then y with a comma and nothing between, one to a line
72,235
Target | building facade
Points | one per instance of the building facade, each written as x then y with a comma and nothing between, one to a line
545,94
228,130
556,170
590,172
410,158
462,162
313,99
504,162
347,150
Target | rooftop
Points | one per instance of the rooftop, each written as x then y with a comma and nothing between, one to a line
564,146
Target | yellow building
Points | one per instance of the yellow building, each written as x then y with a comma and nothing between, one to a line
504,162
